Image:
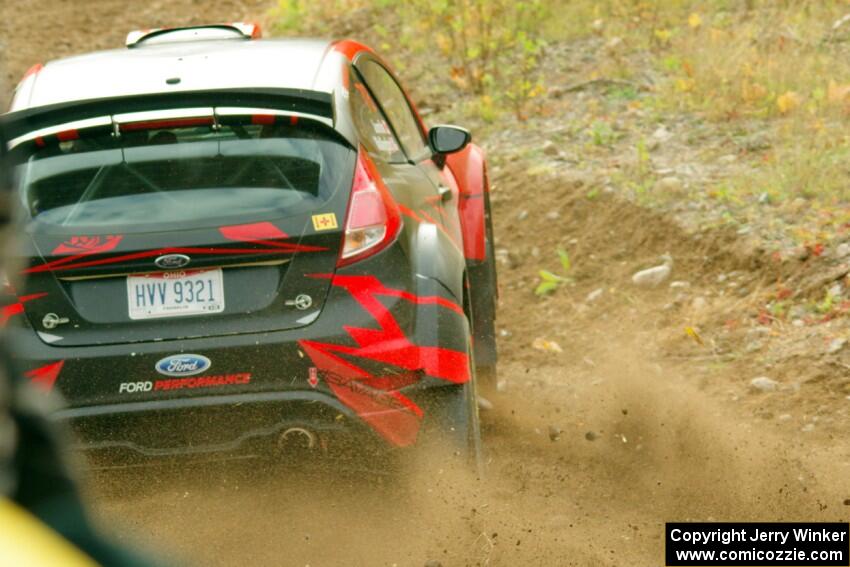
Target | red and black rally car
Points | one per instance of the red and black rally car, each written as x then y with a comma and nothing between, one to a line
231,240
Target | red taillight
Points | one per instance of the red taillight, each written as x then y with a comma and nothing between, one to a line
373,219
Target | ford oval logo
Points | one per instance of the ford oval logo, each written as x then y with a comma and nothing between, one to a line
172,261
183,364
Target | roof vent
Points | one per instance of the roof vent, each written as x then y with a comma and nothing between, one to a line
233,30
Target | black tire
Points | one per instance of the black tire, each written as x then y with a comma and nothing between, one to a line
452,428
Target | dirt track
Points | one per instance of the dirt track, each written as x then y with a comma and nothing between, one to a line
662,449
646,437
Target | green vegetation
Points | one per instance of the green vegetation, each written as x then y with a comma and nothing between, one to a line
777,70
490,50
550,281
784,65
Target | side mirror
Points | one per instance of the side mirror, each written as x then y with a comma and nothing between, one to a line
448,139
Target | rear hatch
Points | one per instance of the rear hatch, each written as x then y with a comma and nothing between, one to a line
182,223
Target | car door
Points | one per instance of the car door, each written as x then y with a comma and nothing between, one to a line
435,198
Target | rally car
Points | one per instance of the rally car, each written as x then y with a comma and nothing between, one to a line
231,242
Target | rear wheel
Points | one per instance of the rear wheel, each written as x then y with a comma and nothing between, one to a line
452,430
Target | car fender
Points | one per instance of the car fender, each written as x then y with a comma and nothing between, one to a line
437,257
469,169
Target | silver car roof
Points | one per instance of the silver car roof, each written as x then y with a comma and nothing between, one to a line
308,70
178,67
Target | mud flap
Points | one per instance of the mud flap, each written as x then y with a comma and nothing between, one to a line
484,292
451,431
483,295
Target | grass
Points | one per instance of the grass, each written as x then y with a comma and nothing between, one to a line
812,165
778,64
773,68
724,59
779,70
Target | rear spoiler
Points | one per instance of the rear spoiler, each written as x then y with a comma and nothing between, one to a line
21,122
244,30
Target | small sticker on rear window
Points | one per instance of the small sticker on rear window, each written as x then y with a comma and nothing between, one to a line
380,127
325,221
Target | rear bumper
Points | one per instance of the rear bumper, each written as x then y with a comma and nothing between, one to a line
365,364
236,424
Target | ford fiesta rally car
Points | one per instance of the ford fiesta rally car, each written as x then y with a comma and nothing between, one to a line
231,241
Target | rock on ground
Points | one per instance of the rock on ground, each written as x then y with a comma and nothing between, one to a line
652,277
764,384
594,295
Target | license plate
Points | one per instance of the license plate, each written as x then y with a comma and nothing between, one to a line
175,294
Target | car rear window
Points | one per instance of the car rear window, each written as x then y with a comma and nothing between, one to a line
151,178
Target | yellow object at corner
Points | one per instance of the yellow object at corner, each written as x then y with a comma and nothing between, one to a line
26,542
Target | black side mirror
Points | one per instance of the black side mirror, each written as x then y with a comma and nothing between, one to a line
448,139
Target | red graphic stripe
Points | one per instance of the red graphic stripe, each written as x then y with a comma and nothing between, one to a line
376,287
409,212
390,413
66,263
85,245
399,426
9,311
44,377
349,48
389,343
422,216
264,233
34,70
408,403
253,232
434,299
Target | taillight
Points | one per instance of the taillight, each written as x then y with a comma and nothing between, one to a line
373,219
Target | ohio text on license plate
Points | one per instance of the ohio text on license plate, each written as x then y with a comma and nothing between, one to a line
177,293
